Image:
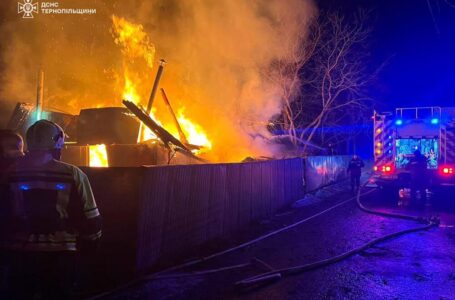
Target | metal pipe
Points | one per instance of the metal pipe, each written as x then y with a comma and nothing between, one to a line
159,72
39,94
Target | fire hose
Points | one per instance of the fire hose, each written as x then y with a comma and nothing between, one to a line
164,274
273,275
277,274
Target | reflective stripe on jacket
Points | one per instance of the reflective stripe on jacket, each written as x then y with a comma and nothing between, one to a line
52,206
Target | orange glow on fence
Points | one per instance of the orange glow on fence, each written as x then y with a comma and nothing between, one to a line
98,156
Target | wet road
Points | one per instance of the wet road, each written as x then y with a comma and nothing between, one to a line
420,265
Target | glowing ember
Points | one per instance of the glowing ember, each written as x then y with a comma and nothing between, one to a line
98,156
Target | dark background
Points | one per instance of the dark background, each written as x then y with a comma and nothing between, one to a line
415,40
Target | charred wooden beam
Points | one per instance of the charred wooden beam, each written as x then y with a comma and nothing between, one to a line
167,138
174,117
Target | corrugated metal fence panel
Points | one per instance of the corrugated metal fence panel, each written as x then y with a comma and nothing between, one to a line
161,212
245,194
232,198
216,202
266,189
153,214
257,202
198,208
339,167
287,180
279,181
116,192
185,206
297,180
177,199
323,170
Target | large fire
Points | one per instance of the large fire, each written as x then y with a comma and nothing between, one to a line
135,43
224,64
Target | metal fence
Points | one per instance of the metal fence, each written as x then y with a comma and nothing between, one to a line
159,212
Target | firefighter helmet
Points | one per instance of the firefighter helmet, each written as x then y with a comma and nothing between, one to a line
45,135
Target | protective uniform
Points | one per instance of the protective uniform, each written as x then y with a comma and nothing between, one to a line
419,178
355,170
11,149
53,213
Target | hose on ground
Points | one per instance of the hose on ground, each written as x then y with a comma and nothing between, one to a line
251,242
274,275
161,274
389,214
279,273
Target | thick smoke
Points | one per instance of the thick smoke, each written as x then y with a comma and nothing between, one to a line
219,54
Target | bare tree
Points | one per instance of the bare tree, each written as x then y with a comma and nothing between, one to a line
324,87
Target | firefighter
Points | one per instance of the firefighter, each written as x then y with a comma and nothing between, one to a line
11,149
53,215
355,170
418,170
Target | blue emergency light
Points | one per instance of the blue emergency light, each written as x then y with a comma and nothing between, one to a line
435,121
399,122
24,187
60,186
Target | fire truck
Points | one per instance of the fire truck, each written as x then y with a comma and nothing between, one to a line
397,135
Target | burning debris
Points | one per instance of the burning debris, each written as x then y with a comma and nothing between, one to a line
98,127
135,43
217,83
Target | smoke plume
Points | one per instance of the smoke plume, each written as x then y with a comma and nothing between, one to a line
218,54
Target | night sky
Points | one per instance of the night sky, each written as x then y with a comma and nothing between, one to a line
418,50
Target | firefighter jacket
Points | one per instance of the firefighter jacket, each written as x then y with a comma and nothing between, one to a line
355,167
418,168
51,208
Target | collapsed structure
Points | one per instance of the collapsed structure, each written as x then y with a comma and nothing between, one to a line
113,136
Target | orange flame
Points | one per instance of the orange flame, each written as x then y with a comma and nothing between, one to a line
193,132
129,90
133,39
98,156
136,43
